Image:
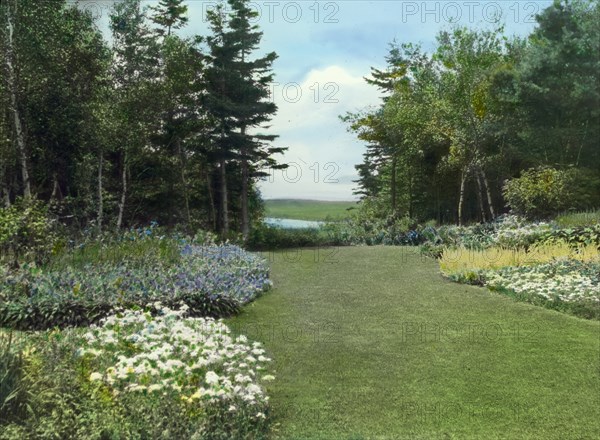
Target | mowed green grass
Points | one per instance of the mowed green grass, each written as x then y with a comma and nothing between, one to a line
372,343
307,209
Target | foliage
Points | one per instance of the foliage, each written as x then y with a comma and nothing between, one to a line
136,246
65,400
576,219
59,403
264,237
544,192
578,236
557,89
461,259
479,109
13,398
211,280
119,130
516,232
28,232
568,285
192,364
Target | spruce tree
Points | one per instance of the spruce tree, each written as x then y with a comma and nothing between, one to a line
170,14
253,107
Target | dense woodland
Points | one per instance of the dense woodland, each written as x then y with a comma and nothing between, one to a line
454,126
147,127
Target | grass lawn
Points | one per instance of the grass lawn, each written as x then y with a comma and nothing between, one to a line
307,209
372,343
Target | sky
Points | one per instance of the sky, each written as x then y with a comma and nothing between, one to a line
325,50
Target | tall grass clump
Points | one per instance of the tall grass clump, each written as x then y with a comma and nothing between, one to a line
576,219
12,392
461,259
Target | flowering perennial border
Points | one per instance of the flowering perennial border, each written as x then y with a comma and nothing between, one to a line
197,358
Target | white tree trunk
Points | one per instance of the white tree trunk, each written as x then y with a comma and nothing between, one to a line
245,189
488,193
461,200
224,201
100,196
12,89
123,194
480,197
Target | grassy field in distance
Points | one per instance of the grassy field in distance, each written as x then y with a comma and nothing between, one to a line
307,209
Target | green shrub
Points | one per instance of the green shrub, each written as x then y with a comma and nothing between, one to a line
264,237
12,394
60,402
576,219
105,250
27,232
578,236
544,192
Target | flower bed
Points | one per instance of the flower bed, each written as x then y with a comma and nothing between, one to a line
194,362
535,262
211,280
545,281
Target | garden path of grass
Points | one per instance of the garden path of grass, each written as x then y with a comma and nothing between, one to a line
372,343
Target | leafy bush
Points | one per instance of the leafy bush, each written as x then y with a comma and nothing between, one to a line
212,280
27,232
359,230
578,219
60,402
544,192
579,236
12,394
133,247
264,237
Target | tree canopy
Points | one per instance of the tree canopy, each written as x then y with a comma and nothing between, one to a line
148,126
456,124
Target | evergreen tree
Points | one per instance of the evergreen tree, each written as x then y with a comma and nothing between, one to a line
253,107
170,14
220,103
237,92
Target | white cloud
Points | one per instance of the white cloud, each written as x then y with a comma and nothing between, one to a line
320,148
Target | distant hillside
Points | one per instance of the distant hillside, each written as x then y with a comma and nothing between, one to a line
307,209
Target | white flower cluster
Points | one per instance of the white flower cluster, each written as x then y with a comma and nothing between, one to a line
566,287
196,357
514,231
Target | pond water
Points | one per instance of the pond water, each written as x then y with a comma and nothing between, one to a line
288,223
